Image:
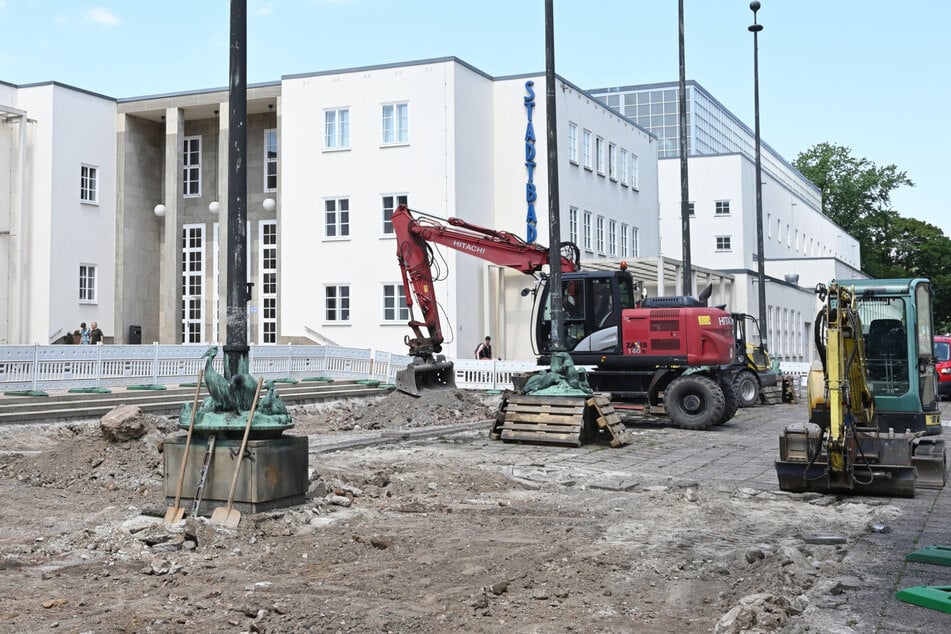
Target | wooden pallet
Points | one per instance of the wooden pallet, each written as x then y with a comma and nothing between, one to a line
610,420
555,420
771,394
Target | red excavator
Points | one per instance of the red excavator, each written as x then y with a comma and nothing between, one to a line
662,352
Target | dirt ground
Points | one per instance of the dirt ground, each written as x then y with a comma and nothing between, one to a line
443,535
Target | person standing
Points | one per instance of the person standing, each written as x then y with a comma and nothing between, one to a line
84,334
95,335
484,351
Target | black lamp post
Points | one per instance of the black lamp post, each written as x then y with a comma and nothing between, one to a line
684,188
761,274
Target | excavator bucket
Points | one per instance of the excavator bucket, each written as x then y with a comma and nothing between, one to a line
930,461
879,464
426,374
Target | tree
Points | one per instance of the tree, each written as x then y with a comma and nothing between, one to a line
856,195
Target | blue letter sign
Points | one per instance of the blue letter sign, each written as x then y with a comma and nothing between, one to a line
531,232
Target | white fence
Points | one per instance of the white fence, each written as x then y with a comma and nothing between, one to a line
62,367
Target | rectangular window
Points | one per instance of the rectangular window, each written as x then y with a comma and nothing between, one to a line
601,234
394,303
336,128
612,238
395,123
337,217
779,229
623,167
599,154
624,249
586,148
270,160
193,283
587,230
573,225
337,303
723,243
612,161
87,283
573,143
89,184
390,203
635,242
191,170
635,173
267,239
722,208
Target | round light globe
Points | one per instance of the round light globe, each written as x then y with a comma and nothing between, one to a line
214,206
269,204
159,211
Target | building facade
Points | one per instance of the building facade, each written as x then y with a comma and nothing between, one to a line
801,246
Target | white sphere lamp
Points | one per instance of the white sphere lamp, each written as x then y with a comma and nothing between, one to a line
159,210
214,207
269,204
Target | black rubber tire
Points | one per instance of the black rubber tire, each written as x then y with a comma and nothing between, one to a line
694,402
747,388
731,399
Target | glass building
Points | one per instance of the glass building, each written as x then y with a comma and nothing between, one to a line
711,128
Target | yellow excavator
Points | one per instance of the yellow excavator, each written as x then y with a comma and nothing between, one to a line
844,447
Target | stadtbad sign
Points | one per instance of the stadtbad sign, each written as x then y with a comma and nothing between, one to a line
530,194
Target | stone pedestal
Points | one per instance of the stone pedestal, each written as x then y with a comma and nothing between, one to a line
273,473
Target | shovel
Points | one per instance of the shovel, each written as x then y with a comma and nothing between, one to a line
175,513
226,515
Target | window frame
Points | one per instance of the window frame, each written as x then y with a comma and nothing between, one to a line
338,314
587,230
599,155
623,240
398,199
587,150
341,227
341,131
635,174
599,234
573,142
721,208
723,243
268,279
394,292
573,224
88,283
622,168
191,172
269,160
612,162
89,184
400,133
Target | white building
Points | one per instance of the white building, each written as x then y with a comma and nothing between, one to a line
801,246
57,211
335,152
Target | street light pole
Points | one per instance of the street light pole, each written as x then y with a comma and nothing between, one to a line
684,187
755,28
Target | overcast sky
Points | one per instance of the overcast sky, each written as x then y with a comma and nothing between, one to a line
866,74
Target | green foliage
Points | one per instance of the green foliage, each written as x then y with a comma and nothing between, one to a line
856,195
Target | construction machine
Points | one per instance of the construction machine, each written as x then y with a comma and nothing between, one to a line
873,410
752,366
666,353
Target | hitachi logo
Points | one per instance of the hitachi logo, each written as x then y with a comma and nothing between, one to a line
463,246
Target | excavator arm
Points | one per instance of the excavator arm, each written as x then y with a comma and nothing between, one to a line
416,232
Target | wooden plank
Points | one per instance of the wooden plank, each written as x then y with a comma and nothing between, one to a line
541,427
518,407
540,417
547,400
573,440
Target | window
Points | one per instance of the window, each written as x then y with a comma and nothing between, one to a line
337,217
390,203
573,143
601,234
623,167
337,303
89,184
336,129
395,123
635,173
586,148
599,154
587,230
722,208
573,225
267,239
769,225
270,160
612,238
635,242
394,303
788,236
87,283
191,171
193,283
624,249
612,161
723,243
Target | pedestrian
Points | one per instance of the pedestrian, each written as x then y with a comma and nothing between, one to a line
484,351
95,335
83,334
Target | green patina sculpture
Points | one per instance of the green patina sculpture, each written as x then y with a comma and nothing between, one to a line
561,379
229,403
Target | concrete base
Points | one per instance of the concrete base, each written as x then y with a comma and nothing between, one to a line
273,473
